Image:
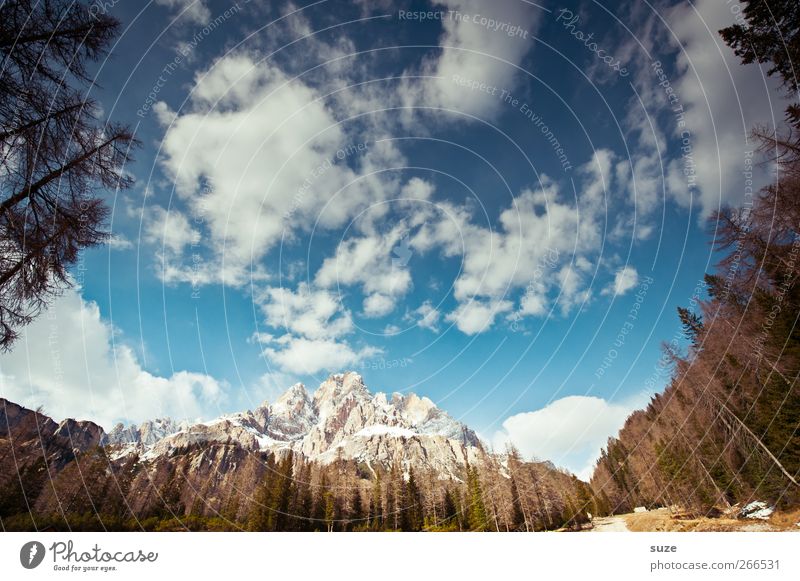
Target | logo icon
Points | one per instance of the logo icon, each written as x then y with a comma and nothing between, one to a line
31,554
402,252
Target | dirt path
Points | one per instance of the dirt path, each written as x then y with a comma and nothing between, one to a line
610,524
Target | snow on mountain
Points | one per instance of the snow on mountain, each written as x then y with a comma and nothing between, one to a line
341,419
380,430
147,433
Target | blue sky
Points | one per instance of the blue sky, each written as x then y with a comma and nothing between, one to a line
498,205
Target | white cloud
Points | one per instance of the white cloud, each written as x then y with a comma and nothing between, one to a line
472,51
541,244
314,325
257,156
192,10
723,101
417,189
571,291
534,301
378,263
570,431
119,242
312,313
426,316
171,232
497,260
378,305
477,316
169,229
72,362
308,356
642,175
625,279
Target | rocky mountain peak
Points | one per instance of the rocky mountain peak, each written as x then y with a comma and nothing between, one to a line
293,400
298,390
291,416
147,433
336,389
341,418
76,435
81,434
416,409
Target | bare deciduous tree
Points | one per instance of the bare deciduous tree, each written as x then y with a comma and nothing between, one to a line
55,155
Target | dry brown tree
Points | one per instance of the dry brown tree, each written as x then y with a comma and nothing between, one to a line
56,156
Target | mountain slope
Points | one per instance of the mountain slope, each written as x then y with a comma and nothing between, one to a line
341,419
340,459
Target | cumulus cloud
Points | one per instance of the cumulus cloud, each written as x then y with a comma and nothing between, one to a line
378,305
72,362
687,146
179,251
314,327
417,189
425,316
625,279
259,156
472,51
238,140
308,356
119,242
572,290
722,98
192,10
170,230
378,263
542,243
570,431
719,101
313,313
477,316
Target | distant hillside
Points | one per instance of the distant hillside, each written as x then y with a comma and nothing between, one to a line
340,459
727,428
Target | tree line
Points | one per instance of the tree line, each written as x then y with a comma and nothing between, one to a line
286,492
727,428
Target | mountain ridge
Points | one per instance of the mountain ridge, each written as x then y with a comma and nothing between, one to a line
340,459
342,418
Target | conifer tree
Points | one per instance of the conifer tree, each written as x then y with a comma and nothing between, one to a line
376,503
262,515
303,505
283,485
413,501
451,512
477,518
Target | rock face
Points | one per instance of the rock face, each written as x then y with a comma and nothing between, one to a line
81,435
147,434
213,468
28,437
21,424
342,419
